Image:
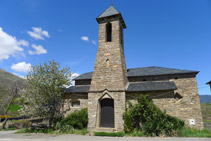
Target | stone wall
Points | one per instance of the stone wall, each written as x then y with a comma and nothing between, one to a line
109,76
186,108
94,110
67,103
113,76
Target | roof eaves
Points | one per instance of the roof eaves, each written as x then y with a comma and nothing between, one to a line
209,83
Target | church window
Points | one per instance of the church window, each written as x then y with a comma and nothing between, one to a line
177,97
76,104
108,32
107,63
121,35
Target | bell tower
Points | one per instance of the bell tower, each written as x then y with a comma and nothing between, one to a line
106,96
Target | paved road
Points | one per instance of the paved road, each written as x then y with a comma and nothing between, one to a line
9,135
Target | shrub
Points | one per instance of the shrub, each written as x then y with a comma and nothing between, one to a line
147,117
75,120
128,126
118,134
78,119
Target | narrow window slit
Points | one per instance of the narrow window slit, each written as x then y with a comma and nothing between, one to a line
108,32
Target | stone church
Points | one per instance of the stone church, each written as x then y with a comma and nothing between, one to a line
106,90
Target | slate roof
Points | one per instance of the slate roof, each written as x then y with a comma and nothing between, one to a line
78,89
151,86
146,71
152,71
111,11
133,87
209,82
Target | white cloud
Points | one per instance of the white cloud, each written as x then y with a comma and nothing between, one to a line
38,50
74,75
85,38
38,33
21,67
9,45
21,76
23,43
93,42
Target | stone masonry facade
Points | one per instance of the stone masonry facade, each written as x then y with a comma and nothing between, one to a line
109,77
186,107
174,91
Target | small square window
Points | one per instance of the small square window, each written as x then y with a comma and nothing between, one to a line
75,104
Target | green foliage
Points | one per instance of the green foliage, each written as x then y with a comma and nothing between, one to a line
29,130
78,119
10,128
145,116
51,131
206,114
74,121
128,126
189,132
135,134
118,134
46,85
14,107
80,132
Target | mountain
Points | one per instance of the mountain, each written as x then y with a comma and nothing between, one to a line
205,98
6,78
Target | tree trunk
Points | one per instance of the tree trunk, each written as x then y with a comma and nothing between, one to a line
8,107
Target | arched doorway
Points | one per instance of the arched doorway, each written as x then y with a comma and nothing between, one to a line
107,113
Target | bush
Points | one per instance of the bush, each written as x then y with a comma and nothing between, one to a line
145,116
128,126
75,120
118,134
78,119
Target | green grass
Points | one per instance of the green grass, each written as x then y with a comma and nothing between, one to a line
118,134
14,108
135,134
80,132
9,129
188,132
51,131
206,113
28,130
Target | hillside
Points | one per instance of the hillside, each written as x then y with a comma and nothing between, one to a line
205,98
206,114
6,78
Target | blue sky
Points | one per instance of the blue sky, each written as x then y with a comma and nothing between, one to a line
166,33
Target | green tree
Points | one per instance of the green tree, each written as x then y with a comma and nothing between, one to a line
145,116
10,95
46,85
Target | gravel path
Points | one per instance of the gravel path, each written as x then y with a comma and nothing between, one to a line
9,135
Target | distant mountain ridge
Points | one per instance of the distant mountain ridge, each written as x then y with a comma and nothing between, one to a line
205,98
6,78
